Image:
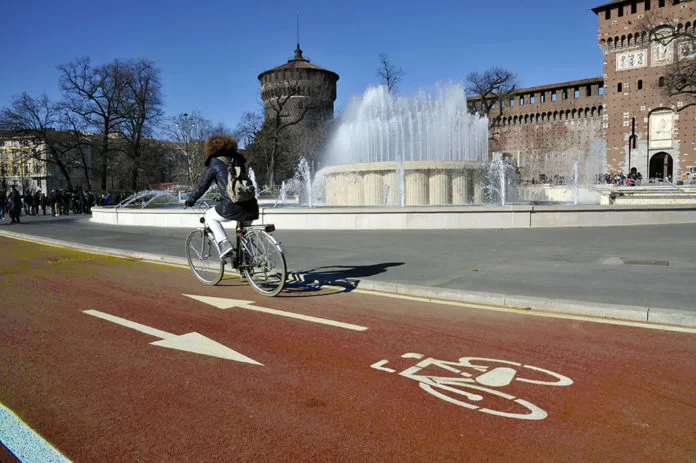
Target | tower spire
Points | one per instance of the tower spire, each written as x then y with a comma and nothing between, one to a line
298,50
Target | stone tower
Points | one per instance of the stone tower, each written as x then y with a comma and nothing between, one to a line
298,91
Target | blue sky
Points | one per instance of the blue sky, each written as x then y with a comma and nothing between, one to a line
211,52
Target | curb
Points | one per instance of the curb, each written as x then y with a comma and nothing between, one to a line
645,314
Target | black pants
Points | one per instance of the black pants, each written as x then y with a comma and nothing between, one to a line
14,214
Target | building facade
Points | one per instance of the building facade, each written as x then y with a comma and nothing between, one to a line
23,164
548,128
19,168
644,128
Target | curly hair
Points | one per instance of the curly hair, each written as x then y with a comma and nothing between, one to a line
220,145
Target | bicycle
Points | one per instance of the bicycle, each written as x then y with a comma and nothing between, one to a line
474,383
257,256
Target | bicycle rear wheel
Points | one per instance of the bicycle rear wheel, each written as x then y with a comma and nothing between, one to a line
204,258
264,263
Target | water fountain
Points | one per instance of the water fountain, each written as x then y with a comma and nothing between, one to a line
391,156
151,198
427,148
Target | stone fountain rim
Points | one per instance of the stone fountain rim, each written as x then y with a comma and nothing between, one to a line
391,166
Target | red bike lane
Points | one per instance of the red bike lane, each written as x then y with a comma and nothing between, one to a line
78,366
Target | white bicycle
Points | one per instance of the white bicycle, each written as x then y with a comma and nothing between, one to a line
472,381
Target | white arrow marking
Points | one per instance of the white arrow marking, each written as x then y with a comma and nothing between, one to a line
223,303
189,342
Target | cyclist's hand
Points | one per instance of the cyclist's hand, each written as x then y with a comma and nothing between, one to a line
189,203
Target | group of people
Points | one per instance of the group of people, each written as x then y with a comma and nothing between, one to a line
57,202
633,178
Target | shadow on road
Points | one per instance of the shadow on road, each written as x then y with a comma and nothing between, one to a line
344,276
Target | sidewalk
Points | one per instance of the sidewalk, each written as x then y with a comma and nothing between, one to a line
639,273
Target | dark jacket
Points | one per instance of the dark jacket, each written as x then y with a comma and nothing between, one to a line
216,171
14,201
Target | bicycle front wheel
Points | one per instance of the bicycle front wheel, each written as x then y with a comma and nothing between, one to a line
204,258
264,263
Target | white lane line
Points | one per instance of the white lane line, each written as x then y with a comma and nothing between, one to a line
223,303
24,443
129,324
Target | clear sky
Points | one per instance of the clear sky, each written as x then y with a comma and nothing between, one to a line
210,53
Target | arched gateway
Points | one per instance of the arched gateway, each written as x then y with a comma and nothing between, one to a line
661,165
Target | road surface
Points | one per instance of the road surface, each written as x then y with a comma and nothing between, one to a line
121,360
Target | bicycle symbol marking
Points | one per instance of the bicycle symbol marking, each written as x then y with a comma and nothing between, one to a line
472,380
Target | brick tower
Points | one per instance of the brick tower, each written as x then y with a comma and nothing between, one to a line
299,90
644,128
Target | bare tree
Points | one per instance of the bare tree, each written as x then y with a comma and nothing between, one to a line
250,124
83,145
680,75
142,110
491,90
388,74
187,133
95,94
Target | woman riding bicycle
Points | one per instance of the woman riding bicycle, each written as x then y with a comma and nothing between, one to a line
221,156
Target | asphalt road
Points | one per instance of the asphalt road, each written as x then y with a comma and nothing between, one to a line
121,360
625,272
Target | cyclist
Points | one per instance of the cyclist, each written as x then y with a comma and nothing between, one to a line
221,153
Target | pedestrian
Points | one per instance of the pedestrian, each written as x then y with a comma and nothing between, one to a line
37,202
28,202
58,205
44,202
14,205
3,205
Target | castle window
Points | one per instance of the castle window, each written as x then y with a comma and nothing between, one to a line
564,94
621,11
619,87
633,7
607,14
640,84
542,97
522,101
512,102
554,96
661,82
647,5
601,90
531,99
576,93
661,3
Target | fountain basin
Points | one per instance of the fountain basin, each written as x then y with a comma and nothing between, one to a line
411,183
421,218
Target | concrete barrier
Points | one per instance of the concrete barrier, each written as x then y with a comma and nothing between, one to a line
421,218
